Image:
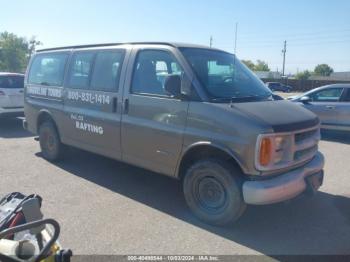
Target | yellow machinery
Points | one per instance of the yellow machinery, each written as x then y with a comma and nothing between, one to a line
25,235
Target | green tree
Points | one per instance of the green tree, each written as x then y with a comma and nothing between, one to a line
261,66
323,70
15,52
305,75
33,43
249,64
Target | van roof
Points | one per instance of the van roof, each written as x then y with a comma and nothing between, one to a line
176,45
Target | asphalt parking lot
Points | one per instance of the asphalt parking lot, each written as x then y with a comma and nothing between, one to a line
106,207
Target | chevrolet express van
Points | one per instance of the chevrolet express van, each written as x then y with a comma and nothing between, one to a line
190,112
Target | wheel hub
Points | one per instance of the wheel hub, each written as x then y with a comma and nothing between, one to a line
211,193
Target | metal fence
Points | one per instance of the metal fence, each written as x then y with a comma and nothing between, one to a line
305,85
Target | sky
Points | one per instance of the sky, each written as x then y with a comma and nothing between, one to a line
316,31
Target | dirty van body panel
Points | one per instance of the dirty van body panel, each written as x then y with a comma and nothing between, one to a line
152,126
41,96
282,116
234,127
39,100
30,113
92,118
152,133
91,126
225,128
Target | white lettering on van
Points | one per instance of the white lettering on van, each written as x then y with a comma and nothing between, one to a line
77,117
44,91
57,93
89,98
89,127
37,90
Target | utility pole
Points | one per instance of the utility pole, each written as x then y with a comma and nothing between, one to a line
284,51
236,33
211,41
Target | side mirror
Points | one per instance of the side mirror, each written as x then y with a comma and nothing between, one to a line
305,99
172,85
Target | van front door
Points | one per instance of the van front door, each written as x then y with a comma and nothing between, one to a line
153,121
92,101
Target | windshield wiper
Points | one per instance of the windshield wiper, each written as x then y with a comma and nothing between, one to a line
242,99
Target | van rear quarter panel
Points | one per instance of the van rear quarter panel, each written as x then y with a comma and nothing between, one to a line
35,105
40,99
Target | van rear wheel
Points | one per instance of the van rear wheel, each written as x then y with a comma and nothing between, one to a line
50,143
212,190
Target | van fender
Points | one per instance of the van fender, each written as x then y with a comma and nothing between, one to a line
48,115
217,146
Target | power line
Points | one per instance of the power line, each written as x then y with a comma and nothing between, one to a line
290,34
296,44
297,41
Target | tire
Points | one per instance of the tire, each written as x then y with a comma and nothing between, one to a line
213,192
50,143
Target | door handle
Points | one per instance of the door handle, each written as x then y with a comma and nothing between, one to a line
126,106
330,107
115,104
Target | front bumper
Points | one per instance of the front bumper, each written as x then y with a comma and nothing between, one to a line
283,187
11,112
25,125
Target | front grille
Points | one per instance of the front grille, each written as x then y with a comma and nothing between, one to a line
306,153
300,137
306,144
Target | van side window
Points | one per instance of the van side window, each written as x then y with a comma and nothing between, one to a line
151,69
107,70
48,69
80,70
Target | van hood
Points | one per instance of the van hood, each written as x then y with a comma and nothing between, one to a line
282,116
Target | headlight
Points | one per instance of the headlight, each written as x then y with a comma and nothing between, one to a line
274,151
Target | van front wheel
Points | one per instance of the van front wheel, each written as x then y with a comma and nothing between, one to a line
213,192
50,144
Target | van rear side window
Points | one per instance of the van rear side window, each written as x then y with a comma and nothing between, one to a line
80,70
48,69
107,71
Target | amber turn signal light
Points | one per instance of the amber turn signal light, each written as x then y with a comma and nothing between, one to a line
265,151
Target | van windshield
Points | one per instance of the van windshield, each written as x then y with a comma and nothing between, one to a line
224,77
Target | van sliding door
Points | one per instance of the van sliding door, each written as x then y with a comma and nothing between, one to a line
92,101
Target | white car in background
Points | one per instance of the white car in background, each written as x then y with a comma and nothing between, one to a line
11,94
330,103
